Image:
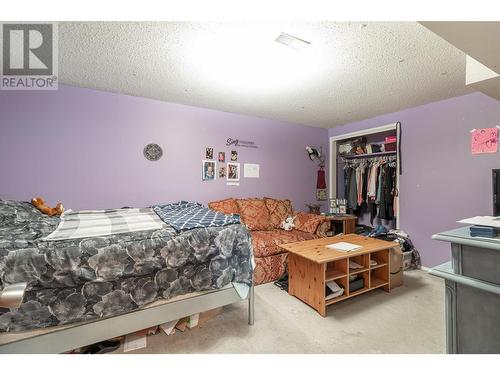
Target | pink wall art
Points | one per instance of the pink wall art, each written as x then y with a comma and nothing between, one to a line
484,141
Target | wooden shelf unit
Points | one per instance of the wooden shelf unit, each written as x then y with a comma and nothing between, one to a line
310,268
373,276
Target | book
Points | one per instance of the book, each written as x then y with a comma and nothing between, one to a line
333,290
343,246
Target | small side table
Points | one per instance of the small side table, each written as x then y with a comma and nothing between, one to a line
347,222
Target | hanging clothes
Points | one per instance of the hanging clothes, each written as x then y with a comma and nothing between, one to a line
365,183
371,183
386,194
352,190
360,171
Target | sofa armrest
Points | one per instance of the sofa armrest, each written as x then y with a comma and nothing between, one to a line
311,223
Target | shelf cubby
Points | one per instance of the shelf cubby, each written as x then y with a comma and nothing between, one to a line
381,257
342,282
366,281
362,260
336,270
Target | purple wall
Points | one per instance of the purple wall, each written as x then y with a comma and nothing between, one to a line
84,148
441,182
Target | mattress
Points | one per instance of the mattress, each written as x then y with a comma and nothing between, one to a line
87,278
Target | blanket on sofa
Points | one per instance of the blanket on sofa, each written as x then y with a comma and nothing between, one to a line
185,215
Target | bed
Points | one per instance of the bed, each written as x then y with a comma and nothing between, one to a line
83,282
60,339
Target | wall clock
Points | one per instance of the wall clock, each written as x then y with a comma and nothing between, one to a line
153,152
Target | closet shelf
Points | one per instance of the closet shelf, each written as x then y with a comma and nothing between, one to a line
372,155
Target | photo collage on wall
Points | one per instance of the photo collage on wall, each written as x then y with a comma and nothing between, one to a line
209,166
216,167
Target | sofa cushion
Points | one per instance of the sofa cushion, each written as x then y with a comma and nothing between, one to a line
227,206
266,242
279,210
254,213
308,222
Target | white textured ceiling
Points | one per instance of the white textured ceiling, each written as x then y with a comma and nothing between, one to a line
480,41
350,71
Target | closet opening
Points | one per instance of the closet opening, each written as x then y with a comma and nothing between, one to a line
364,175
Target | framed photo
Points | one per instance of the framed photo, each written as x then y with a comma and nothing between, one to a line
222,170
208,169
222,157
209,153
233,171
234,155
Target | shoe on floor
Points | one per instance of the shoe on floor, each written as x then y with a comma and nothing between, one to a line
102,347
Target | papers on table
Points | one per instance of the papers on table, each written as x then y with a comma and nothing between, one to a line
489,221
343,246
333,290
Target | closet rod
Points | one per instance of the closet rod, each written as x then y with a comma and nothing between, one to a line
372,155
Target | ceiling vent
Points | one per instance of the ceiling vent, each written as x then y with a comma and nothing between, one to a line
291,41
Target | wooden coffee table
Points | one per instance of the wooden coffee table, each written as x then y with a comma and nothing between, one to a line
311,265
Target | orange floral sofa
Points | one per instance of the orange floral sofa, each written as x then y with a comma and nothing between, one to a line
263,217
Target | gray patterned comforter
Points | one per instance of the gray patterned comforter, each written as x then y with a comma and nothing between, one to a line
83,279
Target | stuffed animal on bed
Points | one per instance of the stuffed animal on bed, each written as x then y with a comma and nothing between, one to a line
288,224
47,210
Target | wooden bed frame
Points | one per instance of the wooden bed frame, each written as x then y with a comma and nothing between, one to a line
61,339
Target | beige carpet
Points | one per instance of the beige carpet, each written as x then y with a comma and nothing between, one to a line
409,319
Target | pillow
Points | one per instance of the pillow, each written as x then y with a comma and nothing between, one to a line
254,213
279,210
308,222
227,206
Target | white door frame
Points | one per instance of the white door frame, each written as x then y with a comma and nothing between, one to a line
333,158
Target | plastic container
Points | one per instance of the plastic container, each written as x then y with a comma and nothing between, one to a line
356,285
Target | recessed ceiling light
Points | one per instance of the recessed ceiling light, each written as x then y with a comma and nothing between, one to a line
292,41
